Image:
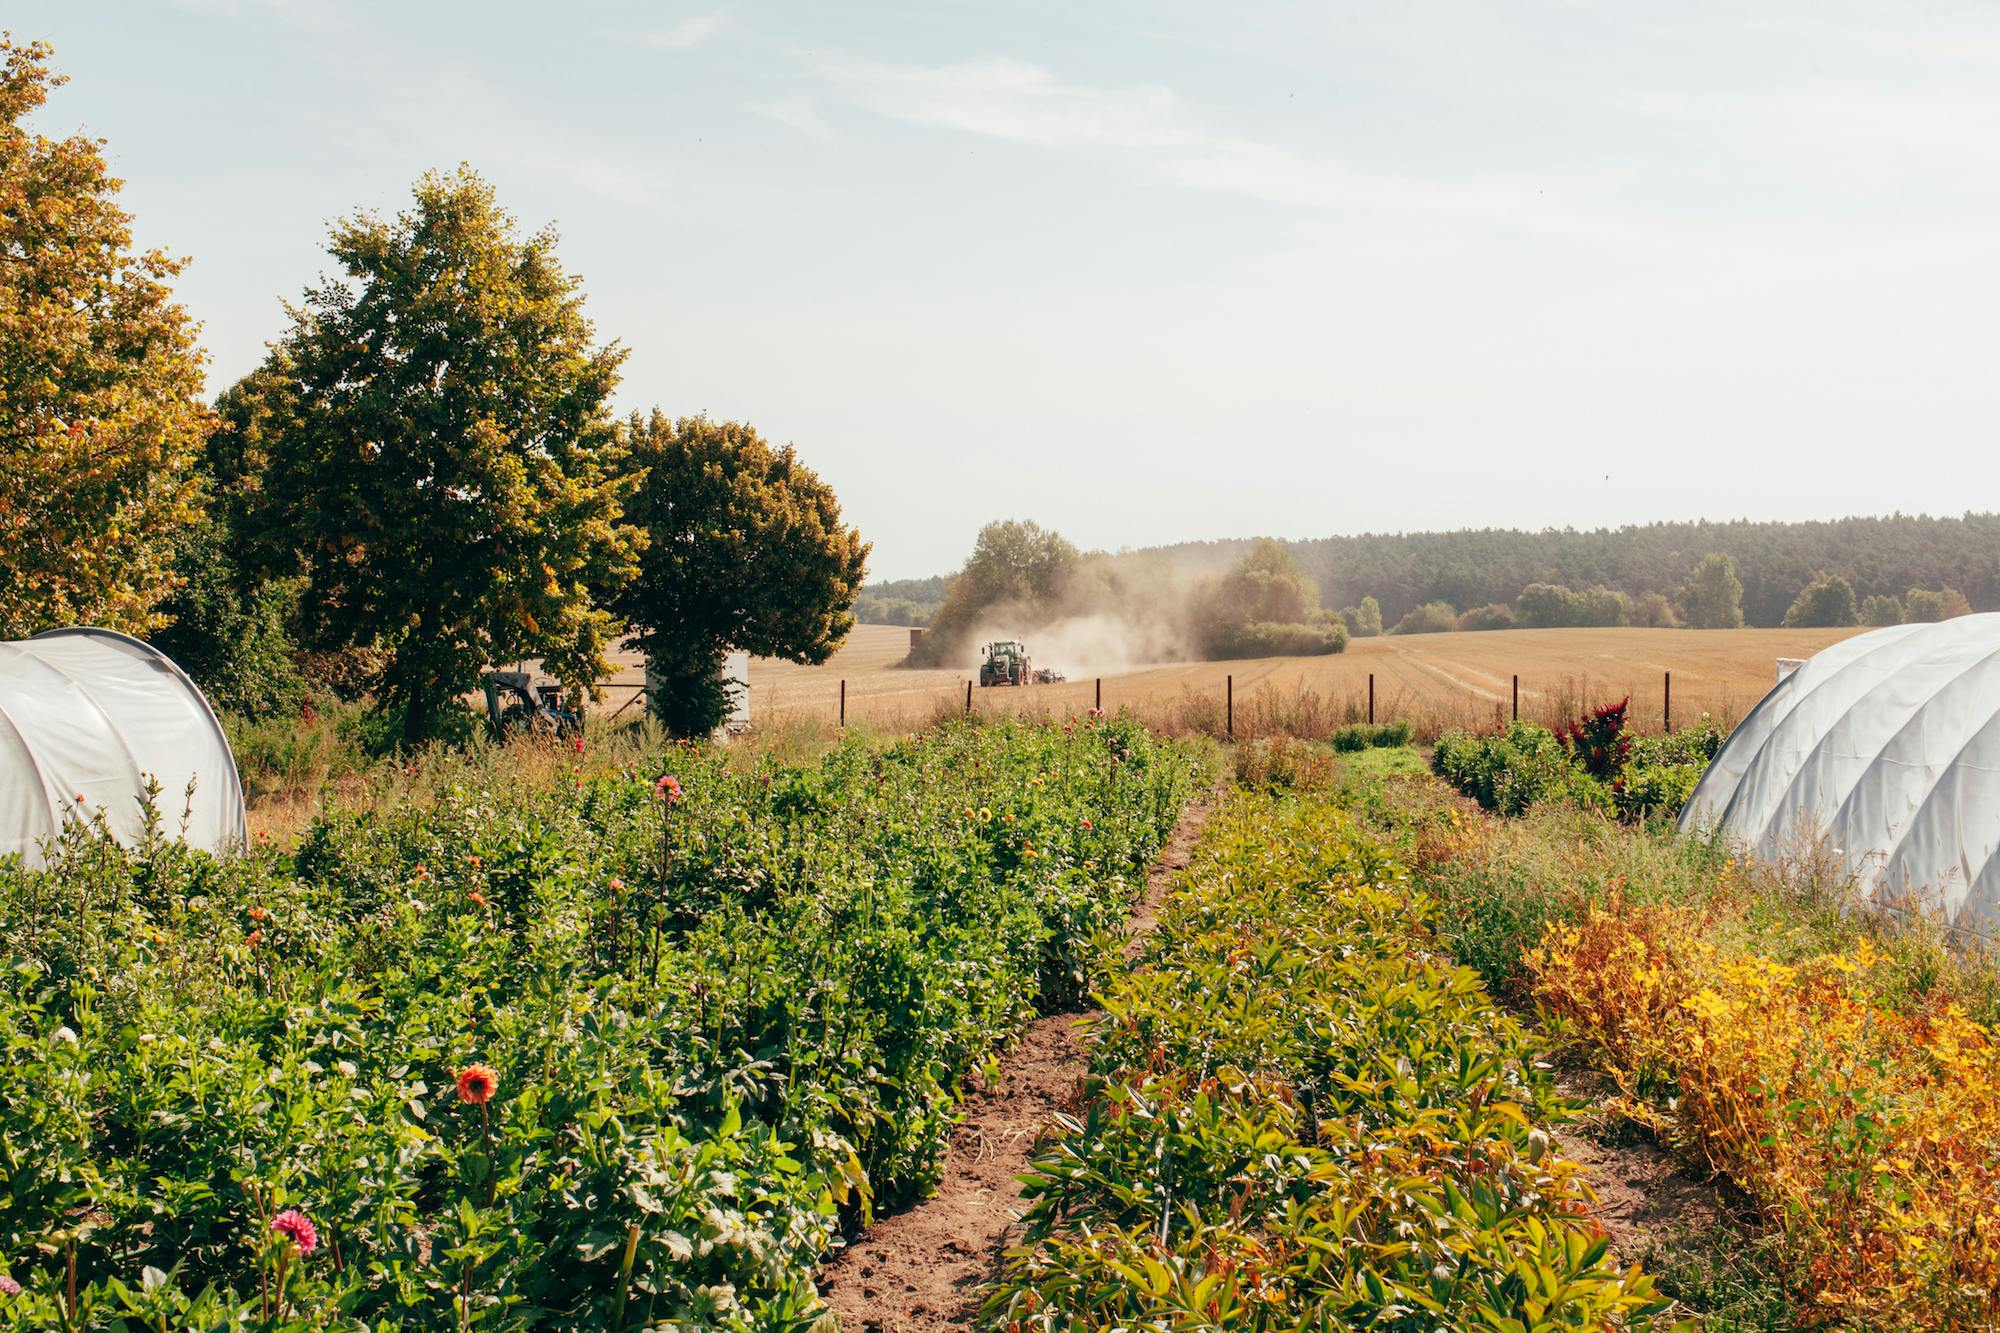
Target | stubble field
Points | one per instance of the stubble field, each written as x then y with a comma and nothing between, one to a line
1432,680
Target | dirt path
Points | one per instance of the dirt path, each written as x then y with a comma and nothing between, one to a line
920,1270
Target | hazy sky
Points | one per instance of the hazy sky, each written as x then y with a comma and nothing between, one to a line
1147,272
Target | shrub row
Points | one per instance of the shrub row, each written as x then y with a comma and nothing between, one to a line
1839,1068
1593,764
575,1055
1302,1116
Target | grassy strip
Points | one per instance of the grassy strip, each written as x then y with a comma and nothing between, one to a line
1839,1068
542,1049
1303,1116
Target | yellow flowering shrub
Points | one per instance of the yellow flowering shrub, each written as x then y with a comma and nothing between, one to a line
1870,1132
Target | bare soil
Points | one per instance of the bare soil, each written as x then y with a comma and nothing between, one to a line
921,1269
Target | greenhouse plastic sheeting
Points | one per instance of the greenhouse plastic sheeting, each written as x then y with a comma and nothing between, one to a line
1887,746
87,717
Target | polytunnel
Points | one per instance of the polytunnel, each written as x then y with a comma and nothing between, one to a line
1887,746
87,718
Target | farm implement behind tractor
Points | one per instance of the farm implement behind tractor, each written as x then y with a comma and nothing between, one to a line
1005,662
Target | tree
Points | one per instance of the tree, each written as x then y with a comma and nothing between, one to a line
1654,611
1925,606
1015,563
438,458
1364,621
100,383
1826,602
1265,607
1601,606
229,627
744,549
1543,606
1712,597
1881,609
1430,618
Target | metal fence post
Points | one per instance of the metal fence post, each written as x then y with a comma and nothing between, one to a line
968,697
1667,707
1371,698
1517,698
1099,705
843,703
1229,705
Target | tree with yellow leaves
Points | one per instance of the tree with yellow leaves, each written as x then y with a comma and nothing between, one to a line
101,419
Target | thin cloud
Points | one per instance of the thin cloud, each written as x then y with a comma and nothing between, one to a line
797,112
689,32
1150,128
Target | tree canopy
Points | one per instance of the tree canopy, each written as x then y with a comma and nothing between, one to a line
101,417
1826,602
744,548
438,458
1015,563
1712,597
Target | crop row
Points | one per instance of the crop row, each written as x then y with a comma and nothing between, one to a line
1303,1115
594,1053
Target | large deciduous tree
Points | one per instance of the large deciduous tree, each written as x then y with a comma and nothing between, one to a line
745,549
101,418
1712,597
438,458
1017,567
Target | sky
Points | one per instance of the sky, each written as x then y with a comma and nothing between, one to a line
1158,272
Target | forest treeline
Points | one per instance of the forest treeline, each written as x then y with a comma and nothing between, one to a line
1477,568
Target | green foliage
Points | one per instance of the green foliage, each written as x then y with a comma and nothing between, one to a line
1430,618
230,633
1654,611
1543,606
1828,601
744,548
1265,638
1511,770
1015,564
1363,621
1266,607
1304,1117
439,460
1712,597
101,420
1881,609
1923,606
1494,615
1357,736
721,1029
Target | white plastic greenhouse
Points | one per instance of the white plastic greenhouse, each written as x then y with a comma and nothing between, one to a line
1887,745
87,717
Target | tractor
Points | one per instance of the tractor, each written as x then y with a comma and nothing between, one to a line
515,703
1005,662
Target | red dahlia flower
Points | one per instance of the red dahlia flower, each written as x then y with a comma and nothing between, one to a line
297,1228
669,788
477,1084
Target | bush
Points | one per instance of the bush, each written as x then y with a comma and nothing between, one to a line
1430,618
1512,770
1497,615
1363,736
1363,621
1826,602
1266,638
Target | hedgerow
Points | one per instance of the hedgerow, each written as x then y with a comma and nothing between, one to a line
1303,1116
613,1052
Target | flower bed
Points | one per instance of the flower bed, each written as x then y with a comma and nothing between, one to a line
599,1053
1304,1116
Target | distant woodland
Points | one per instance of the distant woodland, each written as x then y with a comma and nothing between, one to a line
1474,571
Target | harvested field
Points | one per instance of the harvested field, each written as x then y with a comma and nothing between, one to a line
1433,680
